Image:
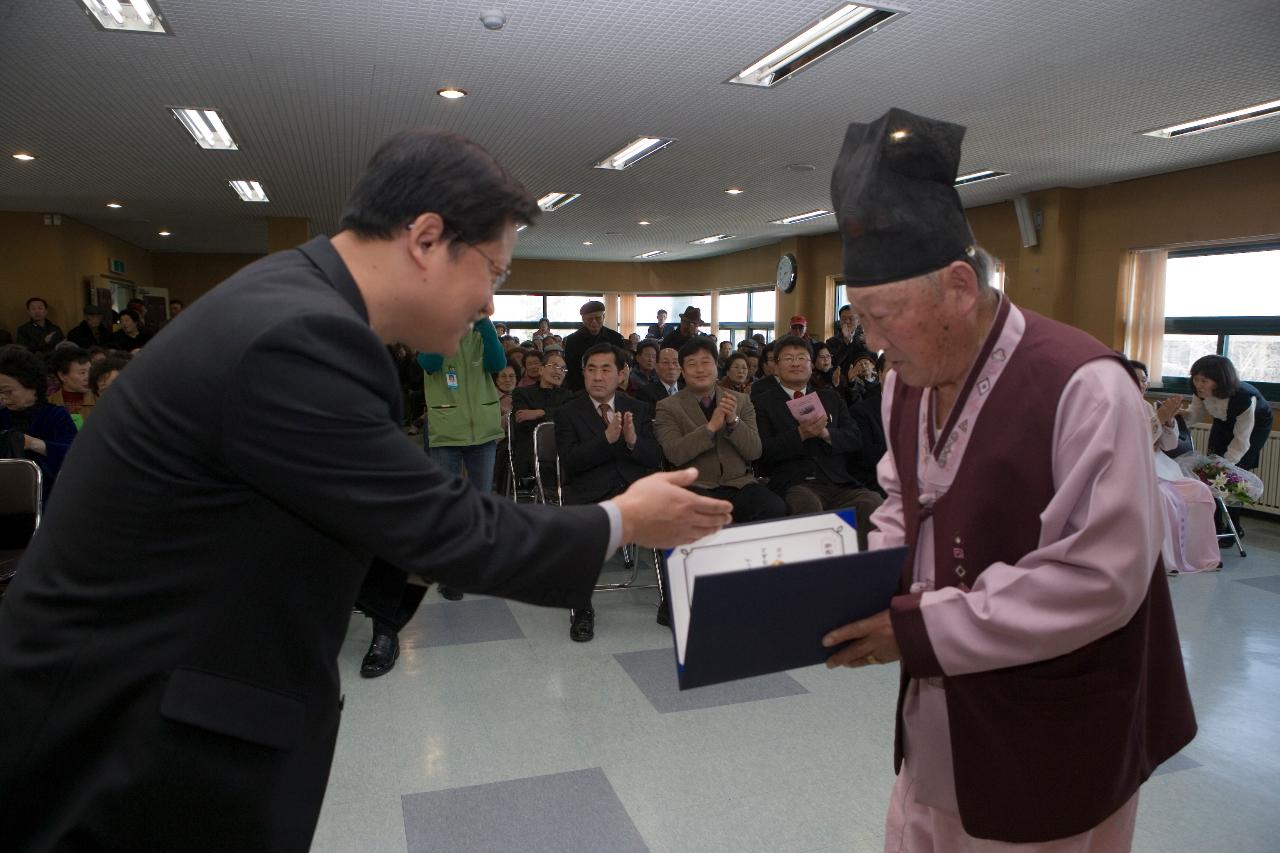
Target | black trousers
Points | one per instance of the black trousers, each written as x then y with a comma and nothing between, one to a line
752,502
387,597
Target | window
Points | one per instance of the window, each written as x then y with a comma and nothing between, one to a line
745,313
648,306
522,311
1227,301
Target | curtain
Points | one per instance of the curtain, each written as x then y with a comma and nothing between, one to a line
1144,309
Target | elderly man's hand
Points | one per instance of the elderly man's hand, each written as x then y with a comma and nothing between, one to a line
872,642
659,512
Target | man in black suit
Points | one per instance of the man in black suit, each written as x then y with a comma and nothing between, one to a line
605,442
659,329
593,332
807,461
669,380
768,379
179,690
690,321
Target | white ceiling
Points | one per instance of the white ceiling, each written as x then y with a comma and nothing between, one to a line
1054,93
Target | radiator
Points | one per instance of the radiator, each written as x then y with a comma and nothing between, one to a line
1268,467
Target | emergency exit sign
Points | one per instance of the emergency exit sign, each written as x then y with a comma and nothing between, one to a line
115,266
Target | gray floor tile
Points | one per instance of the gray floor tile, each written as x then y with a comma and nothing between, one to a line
575,811
456,623
654,672
1178,762
1271,583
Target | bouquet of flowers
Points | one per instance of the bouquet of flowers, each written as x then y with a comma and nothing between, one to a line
1233,485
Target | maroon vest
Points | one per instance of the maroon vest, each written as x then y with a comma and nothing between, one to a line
1049,749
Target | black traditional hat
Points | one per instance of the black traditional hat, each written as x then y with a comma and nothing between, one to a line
893,192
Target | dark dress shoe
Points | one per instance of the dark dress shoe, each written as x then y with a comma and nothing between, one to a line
450,594
381,656
664,615
582,625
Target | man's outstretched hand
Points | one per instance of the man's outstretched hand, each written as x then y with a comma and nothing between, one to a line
658,511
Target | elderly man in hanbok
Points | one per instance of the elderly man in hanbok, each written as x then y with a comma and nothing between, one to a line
1042,680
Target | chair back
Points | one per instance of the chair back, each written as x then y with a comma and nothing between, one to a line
546,462
19,511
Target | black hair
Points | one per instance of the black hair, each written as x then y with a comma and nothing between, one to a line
736,356
132,315
533,352
422,171
102,368
1219,369
177,302
698,344
26,368
517,367
649,343
36,299
1134,364
618,359
62,359
791,341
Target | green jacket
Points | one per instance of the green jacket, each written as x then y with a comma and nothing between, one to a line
468,413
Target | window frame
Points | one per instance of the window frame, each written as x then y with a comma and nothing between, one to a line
750,326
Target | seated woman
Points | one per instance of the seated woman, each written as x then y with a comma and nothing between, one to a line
535,404
1241,415
31,428
129,337
531,367
825,374
737,373
1190,541
71,366
505,380
103,373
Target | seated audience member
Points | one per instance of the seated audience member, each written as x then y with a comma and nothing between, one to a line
6,337
714,430
633,341
535,404
92,331
129,336
1190,539
849,339
532,366
808,462
737,373
605,442
96,354
726,350
624,373
501,329
768,367
644,370
103,373
862,394
39,333
800,329
659,329
505,380
669,379
176,307
71,367
690,321
825,375
31,428
544,327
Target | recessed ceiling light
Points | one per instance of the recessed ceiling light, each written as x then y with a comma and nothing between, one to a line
166,233
114,205
451,93
801,217
207,128
633,152
652,254
249,190
24,157
974,177
1202,125
819,39
714,238
644,222
735,191
555,201
587,243
899,135
135,16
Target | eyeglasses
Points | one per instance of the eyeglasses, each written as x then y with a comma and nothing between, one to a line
500,273
794,359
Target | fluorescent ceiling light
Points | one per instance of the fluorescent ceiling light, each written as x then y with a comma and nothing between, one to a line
644,222
114,205
451,93
249,190
555,201
652,254
587,243
1202,125
714,238
801,217
207,128
166,233
24,157
974,177
633,152
735,191
837,28
520,228
135,16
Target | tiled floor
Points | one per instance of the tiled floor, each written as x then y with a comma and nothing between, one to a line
495,732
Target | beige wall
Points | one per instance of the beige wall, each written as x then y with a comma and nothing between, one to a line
190,275
54,261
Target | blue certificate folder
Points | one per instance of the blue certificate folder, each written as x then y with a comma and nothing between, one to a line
772,617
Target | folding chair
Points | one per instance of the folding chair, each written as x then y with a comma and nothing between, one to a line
1232,535
545,457
514,489
20,491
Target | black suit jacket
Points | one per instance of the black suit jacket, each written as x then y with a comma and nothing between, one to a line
595,470
179,689
786,459
654,393
576,346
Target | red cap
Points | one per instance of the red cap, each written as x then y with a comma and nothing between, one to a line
799,320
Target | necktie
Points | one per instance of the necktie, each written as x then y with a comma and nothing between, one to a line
797,395
604,413
706,402
672,390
